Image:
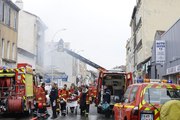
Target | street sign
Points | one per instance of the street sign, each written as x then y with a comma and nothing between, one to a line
160,51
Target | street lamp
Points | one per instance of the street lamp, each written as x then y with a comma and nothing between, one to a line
52,41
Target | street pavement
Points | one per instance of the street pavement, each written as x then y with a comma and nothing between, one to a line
93,115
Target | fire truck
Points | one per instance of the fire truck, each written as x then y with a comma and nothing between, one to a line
17,88
116,81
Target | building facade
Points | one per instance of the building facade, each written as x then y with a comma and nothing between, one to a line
169,67
60,64
147,17
8,33
31,39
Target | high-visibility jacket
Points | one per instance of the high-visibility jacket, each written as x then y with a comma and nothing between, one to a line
88,97
41,95
71,91
63,94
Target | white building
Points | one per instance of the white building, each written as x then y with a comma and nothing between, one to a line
31,32
147,17
59,64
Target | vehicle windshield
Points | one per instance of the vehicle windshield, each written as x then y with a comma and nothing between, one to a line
161,95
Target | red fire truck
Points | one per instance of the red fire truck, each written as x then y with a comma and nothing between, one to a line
17,87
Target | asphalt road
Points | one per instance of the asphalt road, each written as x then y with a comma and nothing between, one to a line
93,115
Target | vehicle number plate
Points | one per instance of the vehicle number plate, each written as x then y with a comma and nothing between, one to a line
146,116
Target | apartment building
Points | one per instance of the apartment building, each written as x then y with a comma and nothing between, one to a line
8,33
31,39
147,17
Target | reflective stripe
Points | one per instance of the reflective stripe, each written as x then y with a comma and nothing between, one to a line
7,75
147,108
128,106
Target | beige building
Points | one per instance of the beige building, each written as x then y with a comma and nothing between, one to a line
147,17
8,33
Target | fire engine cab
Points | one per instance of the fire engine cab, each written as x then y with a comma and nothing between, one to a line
16,89
155,100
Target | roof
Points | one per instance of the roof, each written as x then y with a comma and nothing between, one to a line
158,84
171,27
38,19
9,2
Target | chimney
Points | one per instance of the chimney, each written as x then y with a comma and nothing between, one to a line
19,3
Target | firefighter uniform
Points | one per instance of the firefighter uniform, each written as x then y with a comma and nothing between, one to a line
85,100
63,94
41,98
53,97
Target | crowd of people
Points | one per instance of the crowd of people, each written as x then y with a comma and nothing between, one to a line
60,97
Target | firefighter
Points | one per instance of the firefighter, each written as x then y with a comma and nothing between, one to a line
85,100
64,93
40,106
53,97
73,96
57,100
43,92
73,89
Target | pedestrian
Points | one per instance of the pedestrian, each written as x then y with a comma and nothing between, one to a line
64,93
85,100
53,97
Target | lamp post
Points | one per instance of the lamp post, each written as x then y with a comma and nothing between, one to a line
52,41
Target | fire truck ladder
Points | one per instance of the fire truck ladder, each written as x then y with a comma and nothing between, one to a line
83,59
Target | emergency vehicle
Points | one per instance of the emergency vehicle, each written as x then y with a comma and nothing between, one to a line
116,82
149,101
16,89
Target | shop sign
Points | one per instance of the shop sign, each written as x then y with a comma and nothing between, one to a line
174,69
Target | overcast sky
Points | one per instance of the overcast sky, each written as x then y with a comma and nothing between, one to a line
98,27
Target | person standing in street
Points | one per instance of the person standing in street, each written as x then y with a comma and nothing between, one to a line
85,100
53,97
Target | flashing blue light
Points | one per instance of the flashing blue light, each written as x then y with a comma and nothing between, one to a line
169,81
139,80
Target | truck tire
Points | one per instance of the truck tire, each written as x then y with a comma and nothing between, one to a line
99,110
107,114
28,112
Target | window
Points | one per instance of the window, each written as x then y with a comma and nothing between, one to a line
1,10
8,49
7,14
161,95
13,51
133,94
126,95
139,45
2,48
15,21
9,18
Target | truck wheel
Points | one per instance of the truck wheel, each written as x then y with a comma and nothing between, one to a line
28,112
107,114
99,110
